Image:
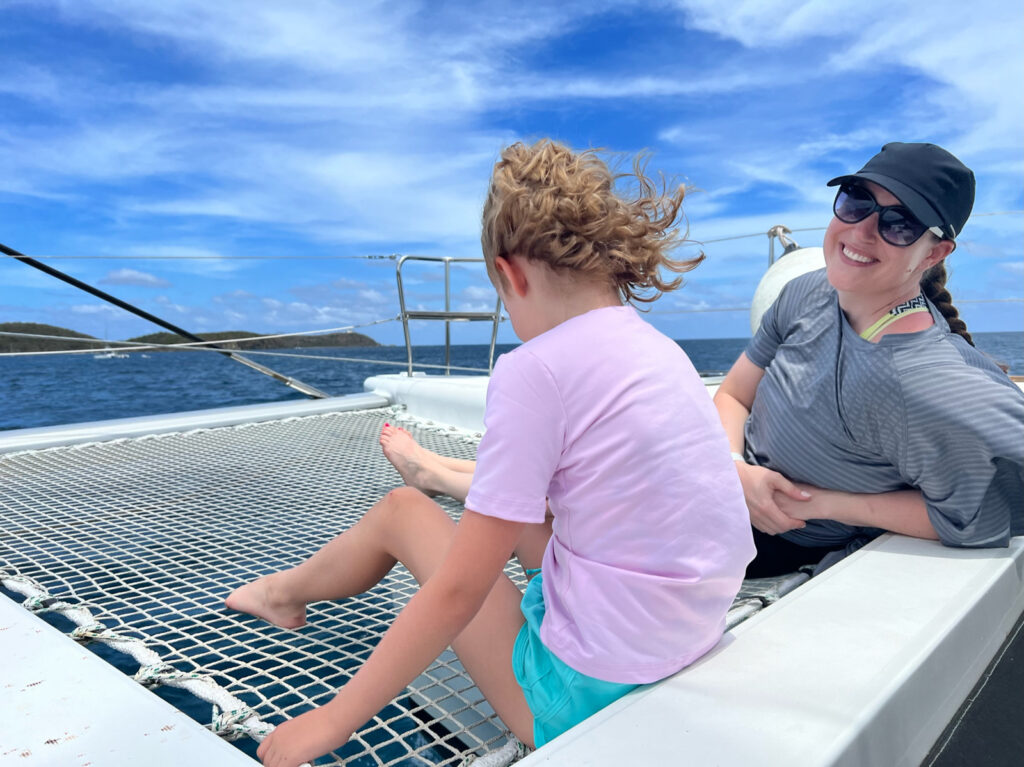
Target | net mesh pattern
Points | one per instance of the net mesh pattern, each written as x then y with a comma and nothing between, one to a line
153,533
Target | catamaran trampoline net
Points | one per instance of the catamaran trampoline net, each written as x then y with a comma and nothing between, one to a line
151,534
138,541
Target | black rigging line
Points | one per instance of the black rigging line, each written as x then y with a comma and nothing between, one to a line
306,389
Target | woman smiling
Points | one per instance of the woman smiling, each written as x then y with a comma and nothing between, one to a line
861,405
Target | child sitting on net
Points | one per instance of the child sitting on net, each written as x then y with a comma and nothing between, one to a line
598,416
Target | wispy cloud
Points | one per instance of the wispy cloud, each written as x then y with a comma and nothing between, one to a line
166,303
133,277
100,309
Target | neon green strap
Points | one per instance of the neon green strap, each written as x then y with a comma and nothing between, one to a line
886,320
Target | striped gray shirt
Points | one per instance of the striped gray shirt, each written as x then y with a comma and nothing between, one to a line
924,410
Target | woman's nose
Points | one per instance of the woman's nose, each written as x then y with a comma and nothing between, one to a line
867,228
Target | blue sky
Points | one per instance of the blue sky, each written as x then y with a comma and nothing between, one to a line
153,149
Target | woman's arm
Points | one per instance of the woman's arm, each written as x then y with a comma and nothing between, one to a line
735,397
437,614
898,511
733,400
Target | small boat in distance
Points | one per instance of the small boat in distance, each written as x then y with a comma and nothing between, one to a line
110,354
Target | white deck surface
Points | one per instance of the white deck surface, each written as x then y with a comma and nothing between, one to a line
453,400
62,706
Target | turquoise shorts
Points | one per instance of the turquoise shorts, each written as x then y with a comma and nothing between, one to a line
559,697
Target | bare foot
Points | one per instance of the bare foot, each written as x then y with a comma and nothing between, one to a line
416,464
261,598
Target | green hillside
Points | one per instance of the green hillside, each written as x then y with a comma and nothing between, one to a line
15,344
292,342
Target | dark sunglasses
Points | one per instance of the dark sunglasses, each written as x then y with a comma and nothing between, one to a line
896,225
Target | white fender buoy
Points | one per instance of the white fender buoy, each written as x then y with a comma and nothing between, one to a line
788,267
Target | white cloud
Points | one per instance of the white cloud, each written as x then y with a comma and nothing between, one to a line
970,50
479,306
235,296
167,303
343,283
133,277
102,309
28,81
479,293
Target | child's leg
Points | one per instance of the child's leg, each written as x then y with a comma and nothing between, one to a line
455,464
423,469
435,474
407,527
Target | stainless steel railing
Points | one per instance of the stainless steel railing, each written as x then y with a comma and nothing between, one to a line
447,316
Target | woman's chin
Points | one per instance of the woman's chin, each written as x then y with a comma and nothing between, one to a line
846,279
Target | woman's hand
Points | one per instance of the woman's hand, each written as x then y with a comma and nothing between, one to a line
303,739
763,489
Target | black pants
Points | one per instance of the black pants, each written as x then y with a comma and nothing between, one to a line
777,556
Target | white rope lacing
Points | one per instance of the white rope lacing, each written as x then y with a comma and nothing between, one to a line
401,416
394,412
231,718
512,751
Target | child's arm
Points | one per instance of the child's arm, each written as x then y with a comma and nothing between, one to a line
437,614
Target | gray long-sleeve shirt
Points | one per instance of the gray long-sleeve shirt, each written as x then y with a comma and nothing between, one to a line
924,410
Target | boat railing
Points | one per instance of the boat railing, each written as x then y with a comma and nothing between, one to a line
783,235
447,315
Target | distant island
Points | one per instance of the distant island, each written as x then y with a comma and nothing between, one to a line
10,344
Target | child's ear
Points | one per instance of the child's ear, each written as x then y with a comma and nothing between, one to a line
511,269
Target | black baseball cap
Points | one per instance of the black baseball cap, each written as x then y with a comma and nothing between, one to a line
935,186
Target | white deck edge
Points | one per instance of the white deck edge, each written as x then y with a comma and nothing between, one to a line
451,400
456,401
864,665
63,705
102,431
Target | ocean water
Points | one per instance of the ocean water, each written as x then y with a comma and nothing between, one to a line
56,389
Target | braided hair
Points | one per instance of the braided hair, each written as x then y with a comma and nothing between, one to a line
933,285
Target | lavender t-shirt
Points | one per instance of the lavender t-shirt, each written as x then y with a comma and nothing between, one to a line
606,419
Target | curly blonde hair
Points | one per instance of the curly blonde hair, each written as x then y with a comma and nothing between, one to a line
550,204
